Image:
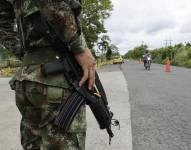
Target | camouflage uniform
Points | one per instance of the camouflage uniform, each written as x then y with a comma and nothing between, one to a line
37,97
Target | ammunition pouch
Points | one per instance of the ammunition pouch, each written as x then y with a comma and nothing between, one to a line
40,56
52,68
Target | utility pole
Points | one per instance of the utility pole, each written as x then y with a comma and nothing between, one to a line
142,43
168,42
170,51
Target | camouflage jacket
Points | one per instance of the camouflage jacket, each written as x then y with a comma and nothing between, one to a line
62,15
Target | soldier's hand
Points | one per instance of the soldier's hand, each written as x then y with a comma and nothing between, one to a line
88,64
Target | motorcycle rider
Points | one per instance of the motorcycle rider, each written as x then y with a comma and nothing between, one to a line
146,56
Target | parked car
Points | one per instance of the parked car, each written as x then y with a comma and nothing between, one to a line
118,60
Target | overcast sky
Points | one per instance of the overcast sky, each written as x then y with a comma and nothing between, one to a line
151,21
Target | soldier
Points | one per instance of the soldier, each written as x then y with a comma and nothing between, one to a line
38,97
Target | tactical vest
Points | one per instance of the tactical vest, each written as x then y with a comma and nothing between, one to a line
32,27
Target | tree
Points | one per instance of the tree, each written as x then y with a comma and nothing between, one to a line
136,53
3,53
114,49
94,14
109,54
103,45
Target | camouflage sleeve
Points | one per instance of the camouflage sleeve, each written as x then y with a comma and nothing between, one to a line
63,16
8,36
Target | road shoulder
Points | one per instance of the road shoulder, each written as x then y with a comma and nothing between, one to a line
118,97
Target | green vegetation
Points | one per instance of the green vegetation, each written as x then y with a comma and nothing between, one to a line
94,14
108,50
136,53
3,53
179,54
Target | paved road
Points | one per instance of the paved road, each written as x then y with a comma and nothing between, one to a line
160,107
9,118
116,88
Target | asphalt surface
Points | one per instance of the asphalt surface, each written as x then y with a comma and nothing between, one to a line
116,88
9,118
160,106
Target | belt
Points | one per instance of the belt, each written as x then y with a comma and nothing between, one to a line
41,55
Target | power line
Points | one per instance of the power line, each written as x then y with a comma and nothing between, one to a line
168,42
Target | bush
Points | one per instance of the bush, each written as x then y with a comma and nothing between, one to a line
7,71
179,54
183,57
10,63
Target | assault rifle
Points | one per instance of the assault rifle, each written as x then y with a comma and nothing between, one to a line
95,98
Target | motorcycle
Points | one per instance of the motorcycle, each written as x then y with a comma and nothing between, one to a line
147,63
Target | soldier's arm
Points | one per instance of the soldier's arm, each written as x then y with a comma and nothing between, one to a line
64,20
8,37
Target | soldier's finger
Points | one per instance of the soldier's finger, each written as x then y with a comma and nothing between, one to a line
84,78
91,78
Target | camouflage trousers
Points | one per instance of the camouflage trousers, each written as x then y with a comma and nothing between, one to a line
38,105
